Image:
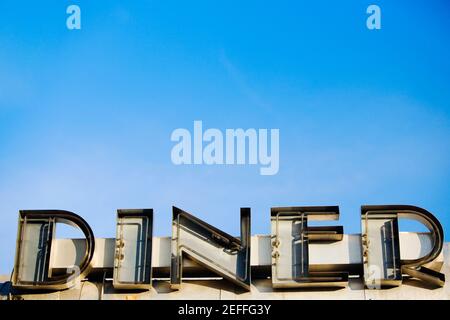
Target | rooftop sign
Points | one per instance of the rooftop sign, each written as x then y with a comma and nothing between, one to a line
228,256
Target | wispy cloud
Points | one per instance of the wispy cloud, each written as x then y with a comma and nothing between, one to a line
238,77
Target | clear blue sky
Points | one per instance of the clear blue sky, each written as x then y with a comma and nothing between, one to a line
86,116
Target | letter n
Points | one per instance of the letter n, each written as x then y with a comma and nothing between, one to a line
225,255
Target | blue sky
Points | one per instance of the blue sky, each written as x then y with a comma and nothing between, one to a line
86,115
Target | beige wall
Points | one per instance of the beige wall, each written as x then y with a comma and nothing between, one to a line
261,289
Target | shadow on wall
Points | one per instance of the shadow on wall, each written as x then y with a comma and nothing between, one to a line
5,288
